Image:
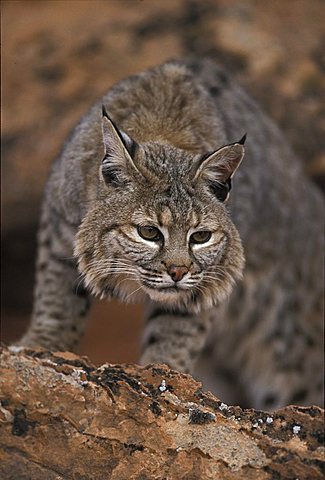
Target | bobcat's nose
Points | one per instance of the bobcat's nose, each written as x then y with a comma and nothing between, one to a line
177,272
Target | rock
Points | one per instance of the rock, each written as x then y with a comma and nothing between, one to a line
62,418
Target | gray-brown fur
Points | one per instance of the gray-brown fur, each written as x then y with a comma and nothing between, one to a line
267,330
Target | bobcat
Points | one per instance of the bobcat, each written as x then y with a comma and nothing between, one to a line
138,203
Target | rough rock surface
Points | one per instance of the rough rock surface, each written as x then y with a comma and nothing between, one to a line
62,418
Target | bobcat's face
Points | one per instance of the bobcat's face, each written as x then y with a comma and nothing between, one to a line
162,230
180,258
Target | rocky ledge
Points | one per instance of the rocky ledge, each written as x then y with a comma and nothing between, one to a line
63,418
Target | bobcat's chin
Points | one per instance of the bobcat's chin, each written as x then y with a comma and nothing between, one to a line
195,299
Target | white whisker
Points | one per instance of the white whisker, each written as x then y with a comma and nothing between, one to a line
134,291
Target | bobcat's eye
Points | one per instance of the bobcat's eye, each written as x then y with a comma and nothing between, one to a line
202,236
149,233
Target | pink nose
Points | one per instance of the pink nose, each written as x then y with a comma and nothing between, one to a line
177,272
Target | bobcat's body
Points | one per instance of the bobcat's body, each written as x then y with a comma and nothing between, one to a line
269,332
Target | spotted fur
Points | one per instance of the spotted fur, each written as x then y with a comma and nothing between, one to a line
163,152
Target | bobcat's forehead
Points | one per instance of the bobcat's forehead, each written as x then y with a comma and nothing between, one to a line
165,216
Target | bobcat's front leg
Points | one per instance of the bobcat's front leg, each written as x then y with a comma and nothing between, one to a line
174,337
60,303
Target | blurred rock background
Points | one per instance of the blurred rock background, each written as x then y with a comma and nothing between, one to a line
58,57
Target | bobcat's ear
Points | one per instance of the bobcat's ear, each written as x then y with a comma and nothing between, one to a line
119,149
218,168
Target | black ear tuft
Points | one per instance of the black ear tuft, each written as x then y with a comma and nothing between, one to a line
104,112
242,140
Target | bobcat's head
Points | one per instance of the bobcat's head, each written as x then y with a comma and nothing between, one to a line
159,226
